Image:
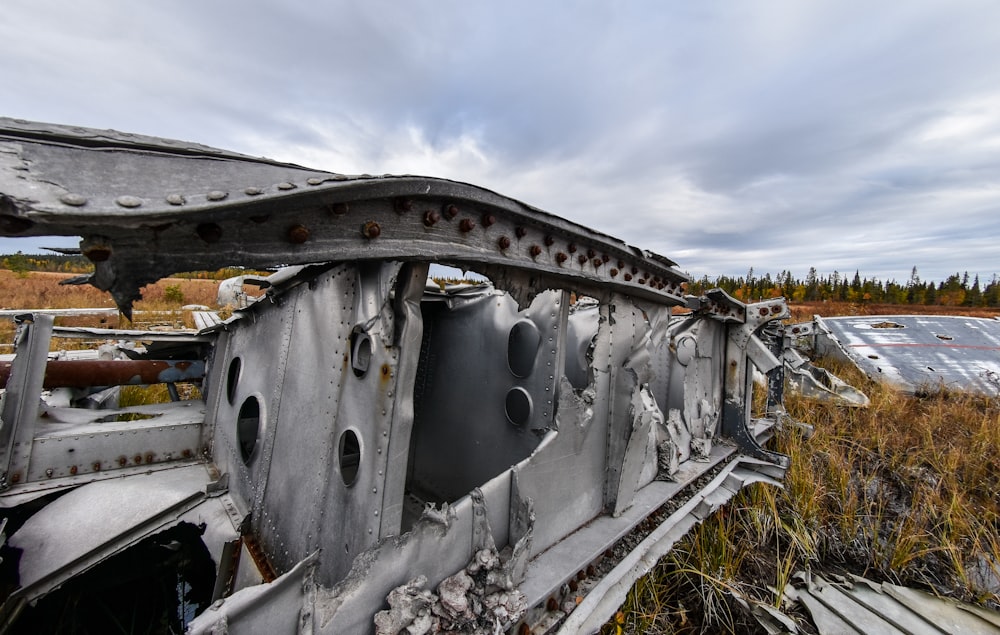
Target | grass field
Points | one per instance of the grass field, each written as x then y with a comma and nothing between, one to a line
904,491
161,301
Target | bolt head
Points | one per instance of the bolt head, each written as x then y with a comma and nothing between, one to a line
298,234
371,230
503,242
466,225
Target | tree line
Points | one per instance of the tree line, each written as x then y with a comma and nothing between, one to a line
956,290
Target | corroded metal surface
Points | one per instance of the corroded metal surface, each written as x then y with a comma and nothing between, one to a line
376,445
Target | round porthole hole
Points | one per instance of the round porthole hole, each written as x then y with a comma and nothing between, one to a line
517,406
349,452
248,428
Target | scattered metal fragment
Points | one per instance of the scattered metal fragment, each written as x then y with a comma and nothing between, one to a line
918,353
856,605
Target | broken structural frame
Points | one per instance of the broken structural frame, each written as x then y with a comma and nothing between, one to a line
360,435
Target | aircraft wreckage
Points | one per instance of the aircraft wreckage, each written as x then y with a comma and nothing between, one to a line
367,453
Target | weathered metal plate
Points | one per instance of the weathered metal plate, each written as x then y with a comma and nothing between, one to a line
919,352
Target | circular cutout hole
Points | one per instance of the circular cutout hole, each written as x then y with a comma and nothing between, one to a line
522,348
518,406
350,457
248,428
233,378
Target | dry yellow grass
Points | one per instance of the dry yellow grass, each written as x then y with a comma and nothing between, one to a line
904,491
39,290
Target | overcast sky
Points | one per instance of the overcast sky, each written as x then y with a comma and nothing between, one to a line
725,135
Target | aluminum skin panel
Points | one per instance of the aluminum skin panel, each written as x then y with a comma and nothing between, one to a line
918,352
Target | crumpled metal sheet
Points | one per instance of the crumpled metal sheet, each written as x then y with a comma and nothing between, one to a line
856,605
97,520
918,352
814,382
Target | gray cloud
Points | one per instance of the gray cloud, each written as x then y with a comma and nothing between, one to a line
777,134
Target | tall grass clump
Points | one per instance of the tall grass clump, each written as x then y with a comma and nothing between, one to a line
905,491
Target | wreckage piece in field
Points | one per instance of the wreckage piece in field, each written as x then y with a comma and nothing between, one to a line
368,452
917,353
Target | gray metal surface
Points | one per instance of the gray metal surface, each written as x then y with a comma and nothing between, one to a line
365,432
856,605
918,352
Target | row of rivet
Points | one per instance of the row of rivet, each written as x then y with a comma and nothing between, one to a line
298,234
371,230
131,202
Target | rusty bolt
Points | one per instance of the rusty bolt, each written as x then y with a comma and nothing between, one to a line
535,251
571,248
489,219
97,254
776,309
591,571
186,453
621,264
520,232
298,234
573,586
795,330
613,272
581,576
371,230
581,259
402,205
431,218
122,461
451,211
552,604
137,459
503,242
149,457
96,466
628,277
72,470
561,257
549,241
605,258
597,263
635,270
524,629
339,209
15,477
209,232
466,225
